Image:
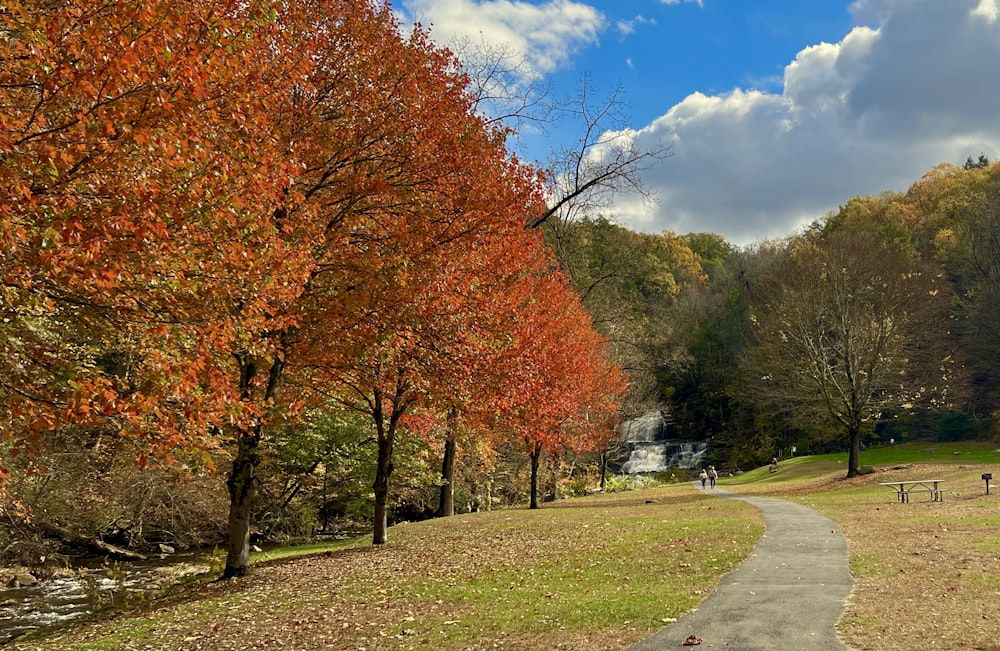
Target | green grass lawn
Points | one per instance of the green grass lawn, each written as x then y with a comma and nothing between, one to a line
799,469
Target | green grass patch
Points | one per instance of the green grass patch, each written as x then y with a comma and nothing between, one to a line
790,472
868,567
927,452
798,469
990,544
636,568
859,621
988,582
296,551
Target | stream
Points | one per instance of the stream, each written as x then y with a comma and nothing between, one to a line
92,585
95,583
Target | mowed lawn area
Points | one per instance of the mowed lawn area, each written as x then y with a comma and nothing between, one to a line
602,572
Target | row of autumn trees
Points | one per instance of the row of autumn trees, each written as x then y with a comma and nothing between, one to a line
224,218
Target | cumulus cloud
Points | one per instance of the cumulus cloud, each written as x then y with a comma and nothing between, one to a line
914,84
547,35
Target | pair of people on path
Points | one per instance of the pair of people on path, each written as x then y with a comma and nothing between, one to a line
710,474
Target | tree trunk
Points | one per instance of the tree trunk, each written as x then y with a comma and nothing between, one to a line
446,504
383,470
854,458
536,455
386,433
242,481
242,485
604,469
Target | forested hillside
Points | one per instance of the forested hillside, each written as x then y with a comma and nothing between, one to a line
877,323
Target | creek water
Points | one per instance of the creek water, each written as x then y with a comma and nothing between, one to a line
91,585
95,583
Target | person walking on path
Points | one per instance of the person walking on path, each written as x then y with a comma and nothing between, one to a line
713,475
801,562
703,477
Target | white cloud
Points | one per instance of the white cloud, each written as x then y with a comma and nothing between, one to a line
700,3
627,27
546,34
987,9
870,113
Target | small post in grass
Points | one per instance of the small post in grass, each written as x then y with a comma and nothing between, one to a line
987,476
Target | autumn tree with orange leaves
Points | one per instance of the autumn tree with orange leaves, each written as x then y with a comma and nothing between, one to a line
564,388
143,254
131,160
540,373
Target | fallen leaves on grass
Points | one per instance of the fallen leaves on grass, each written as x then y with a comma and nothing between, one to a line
430,588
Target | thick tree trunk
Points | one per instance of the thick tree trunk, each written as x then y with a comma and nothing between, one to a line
383,470
854,458
242,481
446,504
536,455
386,434
242,485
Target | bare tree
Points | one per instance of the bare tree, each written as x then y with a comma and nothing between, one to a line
585,178
847,326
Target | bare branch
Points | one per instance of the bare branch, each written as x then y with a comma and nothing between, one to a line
506,89
606,161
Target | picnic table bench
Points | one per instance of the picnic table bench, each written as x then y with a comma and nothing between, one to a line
904,488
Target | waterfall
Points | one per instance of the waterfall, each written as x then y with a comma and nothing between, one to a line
649,451
644,459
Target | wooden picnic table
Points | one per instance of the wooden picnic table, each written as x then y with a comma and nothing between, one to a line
904,488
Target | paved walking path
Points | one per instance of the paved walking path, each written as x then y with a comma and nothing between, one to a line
787,596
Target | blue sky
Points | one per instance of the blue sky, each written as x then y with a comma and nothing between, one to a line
775,111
